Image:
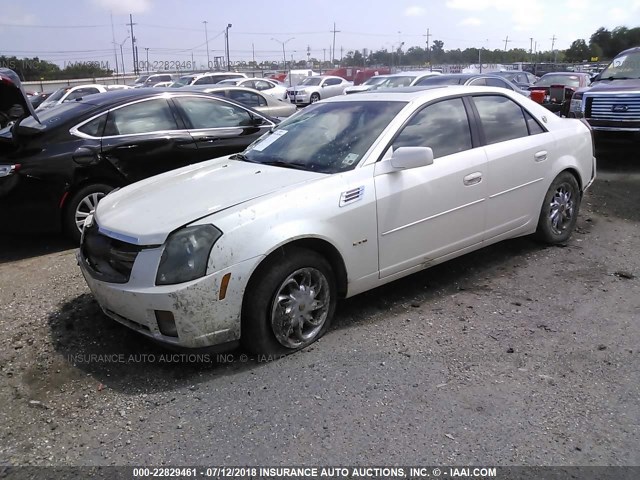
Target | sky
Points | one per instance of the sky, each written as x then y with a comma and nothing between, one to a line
65,31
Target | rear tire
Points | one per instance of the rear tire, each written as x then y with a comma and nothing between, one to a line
79,206
289,302
559,211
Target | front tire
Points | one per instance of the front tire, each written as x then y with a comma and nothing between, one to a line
315,97
79,206
289,302
559,211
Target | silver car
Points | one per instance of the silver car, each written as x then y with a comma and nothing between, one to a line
315,88
261,102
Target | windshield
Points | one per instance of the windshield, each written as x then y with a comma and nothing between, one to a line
141,79
559,79
508,75
182,81
52,117
230,81
310,81
55,96
393,82
325,138
375,81
623,66
441,80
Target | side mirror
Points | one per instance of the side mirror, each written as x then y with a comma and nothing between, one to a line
406,158
85,156
257,121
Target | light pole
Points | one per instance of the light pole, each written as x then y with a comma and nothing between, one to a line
122,57
227,45
284,55
206,39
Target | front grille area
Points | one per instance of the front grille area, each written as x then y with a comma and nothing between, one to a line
623,107
108,259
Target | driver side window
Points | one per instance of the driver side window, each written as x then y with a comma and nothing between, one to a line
442,126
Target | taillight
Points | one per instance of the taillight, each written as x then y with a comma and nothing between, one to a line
6,170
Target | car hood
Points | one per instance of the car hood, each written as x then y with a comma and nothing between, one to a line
146,212
604,86
12,93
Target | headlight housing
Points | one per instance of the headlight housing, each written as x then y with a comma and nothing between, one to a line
575,107
186,254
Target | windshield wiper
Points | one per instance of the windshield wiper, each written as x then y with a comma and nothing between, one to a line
242,157
280,163
618,78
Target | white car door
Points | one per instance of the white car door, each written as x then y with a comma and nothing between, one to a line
428,212
519,151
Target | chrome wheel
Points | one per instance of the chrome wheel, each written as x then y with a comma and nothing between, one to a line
85,207
300,307
561,208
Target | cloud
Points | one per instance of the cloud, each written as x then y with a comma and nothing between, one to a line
120,7
471,21
573,5
414,11
477,5
16,16
618,15
523,18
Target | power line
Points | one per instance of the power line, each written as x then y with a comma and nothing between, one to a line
23,25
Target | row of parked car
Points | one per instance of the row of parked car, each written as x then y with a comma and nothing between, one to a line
203,222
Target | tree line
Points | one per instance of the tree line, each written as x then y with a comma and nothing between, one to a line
603,45
33,69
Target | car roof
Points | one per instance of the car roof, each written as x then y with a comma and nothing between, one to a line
565,73
409,73
426,92
205,88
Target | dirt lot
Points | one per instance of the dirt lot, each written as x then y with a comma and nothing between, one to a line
514,355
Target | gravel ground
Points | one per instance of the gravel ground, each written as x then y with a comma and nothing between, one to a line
514,355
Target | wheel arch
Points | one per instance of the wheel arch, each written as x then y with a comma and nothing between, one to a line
318,245
86,181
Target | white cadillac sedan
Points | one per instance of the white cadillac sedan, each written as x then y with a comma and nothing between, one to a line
346,195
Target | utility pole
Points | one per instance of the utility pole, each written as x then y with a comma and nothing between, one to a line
308,54
193,64
428,35
253,54
147,49
206,39
334,42
226,37
115,52
531,50
133,46
506,40
341,55
553,43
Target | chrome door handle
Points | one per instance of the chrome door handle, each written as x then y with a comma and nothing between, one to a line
472,178
540,156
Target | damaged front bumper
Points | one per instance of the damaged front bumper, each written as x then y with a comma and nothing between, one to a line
204,316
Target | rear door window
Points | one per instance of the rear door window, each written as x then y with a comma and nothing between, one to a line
501,118
141,117
201,112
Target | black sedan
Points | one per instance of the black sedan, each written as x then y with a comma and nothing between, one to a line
54,170
472,79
